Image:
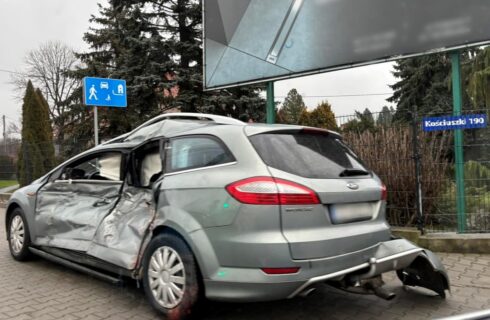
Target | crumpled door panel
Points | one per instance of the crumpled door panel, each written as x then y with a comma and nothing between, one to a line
119,237
68,213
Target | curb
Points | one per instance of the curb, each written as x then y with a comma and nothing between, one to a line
450,242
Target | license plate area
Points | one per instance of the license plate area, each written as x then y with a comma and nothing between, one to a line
351,212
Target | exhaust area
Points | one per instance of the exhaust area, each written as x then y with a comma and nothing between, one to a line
307,292
384,294
364,286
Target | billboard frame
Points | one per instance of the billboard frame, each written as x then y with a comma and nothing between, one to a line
332,69
319,70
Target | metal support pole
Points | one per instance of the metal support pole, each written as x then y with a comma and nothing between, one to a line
271,106
418,171
96,126
458,141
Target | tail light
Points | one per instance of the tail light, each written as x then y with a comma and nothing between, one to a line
384,192
271,191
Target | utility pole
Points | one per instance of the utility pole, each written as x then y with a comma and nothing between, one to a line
4,134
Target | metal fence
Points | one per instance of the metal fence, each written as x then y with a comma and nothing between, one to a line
417,167
419,171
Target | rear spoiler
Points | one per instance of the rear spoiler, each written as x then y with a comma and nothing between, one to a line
254,129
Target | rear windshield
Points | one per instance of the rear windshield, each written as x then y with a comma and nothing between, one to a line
308,154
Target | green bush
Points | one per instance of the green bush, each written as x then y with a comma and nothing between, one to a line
477,199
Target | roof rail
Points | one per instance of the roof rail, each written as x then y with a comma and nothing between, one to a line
191,116
199,116
180,115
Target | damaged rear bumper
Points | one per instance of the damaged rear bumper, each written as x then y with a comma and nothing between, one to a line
415,267
389,256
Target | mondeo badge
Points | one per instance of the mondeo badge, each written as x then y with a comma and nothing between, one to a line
352,186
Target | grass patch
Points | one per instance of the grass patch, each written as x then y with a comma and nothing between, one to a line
7,183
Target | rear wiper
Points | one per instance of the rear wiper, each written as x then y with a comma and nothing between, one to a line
353,172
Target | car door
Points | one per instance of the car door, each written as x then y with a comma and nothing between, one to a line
71,205
119,238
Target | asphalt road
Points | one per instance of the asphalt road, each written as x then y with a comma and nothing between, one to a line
43,290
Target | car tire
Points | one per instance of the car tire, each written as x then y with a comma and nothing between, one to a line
171,277
18,236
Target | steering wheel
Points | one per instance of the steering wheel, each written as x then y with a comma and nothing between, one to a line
93,175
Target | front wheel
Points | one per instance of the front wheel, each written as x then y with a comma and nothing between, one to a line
18,236
170,277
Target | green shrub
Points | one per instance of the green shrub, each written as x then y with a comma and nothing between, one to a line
477,200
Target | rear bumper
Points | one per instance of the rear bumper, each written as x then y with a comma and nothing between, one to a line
247,284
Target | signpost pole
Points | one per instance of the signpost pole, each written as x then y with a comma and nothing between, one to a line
417,160
96,126
271,106
458,141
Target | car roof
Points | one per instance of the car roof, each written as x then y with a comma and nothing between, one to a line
174,125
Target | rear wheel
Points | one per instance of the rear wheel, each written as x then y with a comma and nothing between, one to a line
18,236
170,277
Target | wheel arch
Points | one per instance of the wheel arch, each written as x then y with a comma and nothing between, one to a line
198,243
166,229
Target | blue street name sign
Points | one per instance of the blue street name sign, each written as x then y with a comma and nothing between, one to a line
469,121
102,92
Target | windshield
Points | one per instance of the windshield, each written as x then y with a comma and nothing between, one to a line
308,154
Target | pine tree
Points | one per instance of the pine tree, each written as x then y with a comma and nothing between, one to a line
45,133
364,121
156,47
125,45
385,117
293,107
424,83
36,154
181,22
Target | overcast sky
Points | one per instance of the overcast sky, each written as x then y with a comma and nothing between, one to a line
25,24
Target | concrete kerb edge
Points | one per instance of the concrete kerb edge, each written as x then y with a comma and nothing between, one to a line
450,242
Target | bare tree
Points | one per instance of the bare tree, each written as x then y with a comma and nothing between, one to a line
13,128
48,67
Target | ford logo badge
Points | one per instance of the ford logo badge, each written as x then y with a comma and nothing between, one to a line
352,186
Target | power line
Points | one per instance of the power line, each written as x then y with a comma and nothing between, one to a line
12,72
345,95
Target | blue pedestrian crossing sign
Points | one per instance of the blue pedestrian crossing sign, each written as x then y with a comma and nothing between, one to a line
101,92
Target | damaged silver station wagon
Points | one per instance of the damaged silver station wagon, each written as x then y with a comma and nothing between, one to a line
196,205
